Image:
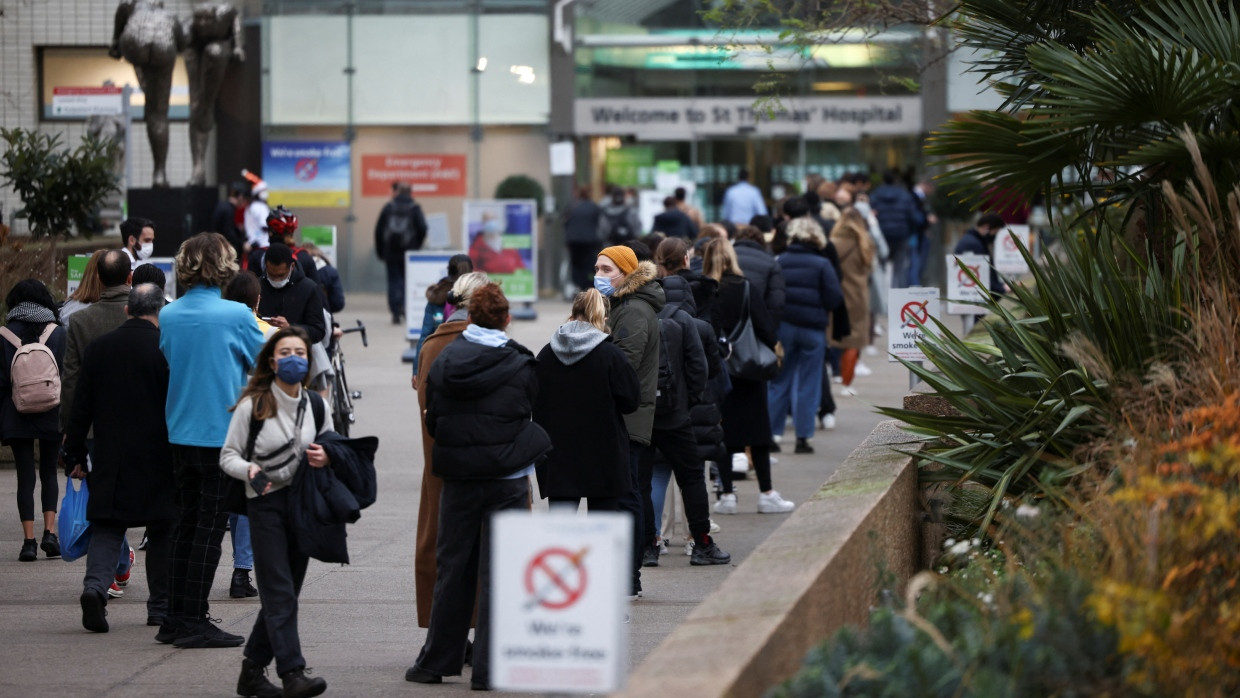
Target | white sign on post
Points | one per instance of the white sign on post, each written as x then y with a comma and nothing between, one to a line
1007,257
558,585
437,236
961,288
422,270
87,101
905,308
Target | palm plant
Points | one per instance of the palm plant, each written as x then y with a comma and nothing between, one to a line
1098,99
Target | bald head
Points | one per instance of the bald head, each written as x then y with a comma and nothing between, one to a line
114,268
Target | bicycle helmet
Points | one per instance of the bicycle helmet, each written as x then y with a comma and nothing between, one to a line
281,222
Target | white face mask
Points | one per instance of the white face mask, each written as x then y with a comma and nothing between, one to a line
145,250
281,283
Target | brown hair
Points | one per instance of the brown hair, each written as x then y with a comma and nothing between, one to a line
752,234
589,306
488,307
206,259
718,258
259,387
670,256
244,289
713,230
91,287
852,225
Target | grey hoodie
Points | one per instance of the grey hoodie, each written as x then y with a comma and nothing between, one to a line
574,339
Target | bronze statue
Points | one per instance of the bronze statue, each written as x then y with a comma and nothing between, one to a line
150,38
215,40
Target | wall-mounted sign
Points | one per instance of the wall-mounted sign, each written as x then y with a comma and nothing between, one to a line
307,173
427,175
87,101
820,118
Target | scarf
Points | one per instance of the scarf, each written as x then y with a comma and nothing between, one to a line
30,312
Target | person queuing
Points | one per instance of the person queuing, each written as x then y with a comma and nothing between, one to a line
480,393
438,307
121,395
282,228
980,240
582,219
139,235
634,301
87,292
288,297
813,292
210,343
424,569
32,317
276,404
742,201
585,388
852,240
746,421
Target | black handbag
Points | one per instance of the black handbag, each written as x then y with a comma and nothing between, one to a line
750,358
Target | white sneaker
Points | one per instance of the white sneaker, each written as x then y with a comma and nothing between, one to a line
871,350
772,503
740,463
777,438
726,504
662,547
116,592
689,546
862,369
837,379
849,391
828,421
714,527
878,330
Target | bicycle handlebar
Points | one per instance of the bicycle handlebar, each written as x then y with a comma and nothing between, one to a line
360,328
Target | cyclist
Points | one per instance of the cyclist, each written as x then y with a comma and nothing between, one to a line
282,228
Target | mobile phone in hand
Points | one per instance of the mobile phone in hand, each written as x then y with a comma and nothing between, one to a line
260,483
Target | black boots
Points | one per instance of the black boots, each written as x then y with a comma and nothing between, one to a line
253,682
298,685
241,587
94,617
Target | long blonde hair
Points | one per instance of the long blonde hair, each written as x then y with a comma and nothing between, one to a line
589,306
718,258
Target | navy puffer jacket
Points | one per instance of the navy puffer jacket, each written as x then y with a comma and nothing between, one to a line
811,287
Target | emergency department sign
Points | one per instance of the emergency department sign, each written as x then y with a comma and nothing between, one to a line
963,289
906,308
558,587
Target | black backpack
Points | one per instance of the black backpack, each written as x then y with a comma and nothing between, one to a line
399,232
618,226
667,395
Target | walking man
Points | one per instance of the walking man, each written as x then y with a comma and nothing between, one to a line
401,227
209,343
122,389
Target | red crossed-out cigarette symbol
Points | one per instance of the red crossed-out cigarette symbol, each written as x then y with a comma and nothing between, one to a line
913,313
555,578
965,279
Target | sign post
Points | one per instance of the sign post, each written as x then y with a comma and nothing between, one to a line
558,587
908,311
963,290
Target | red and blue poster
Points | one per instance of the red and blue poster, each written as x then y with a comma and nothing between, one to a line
307,174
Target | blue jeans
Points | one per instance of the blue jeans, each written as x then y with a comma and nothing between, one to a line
243,551
123,565
901,262
396,283
799,383
659,479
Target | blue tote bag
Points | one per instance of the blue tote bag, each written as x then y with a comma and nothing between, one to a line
73,527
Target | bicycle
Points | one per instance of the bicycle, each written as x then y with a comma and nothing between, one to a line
342,398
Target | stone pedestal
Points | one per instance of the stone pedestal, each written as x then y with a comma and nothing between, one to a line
178,212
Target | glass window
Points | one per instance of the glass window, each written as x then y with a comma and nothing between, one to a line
67,67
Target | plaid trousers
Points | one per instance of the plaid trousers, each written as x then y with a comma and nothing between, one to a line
200,490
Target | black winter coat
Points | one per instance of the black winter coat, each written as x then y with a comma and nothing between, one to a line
479,400
899,215
580,406
706,415
121,390
745,415
14,424
323,500
765,276
299,302
687,359
581,223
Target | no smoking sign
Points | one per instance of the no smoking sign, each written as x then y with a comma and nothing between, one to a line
962,289
556,578
909,310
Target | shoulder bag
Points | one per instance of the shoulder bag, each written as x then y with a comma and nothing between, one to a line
750,359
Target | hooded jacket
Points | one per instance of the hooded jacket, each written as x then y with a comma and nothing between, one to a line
765,275
298,301
704,413
479,400
634,322
586,385
688,357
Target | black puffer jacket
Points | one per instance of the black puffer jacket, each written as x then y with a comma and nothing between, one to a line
299,301
704,413
688,362
323,500
479,400
766,277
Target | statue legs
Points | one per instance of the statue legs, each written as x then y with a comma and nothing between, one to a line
206,77
156,82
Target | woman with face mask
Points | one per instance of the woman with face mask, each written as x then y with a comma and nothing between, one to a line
268,460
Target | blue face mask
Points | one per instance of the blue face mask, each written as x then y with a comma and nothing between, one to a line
602,284
292,368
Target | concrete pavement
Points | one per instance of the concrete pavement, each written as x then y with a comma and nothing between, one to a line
358,623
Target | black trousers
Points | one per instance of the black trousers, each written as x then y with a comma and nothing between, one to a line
395,263
23,455
592,503
679,447
463,557
101,559
581,258
631,503
201,488
279,571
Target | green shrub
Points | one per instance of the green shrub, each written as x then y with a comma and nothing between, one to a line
60,189
521,187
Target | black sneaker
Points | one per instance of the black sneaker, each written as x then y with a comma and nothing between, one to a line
253,682
94,614
709,554
650,558
205,633
170,630
298,685
803,446
417,675
30,551
50,544
241,587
